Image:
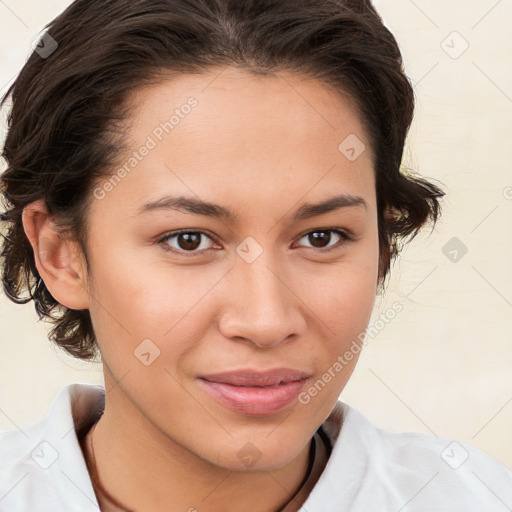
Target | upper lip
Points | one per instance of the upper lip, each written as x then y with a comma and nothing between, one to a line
255,378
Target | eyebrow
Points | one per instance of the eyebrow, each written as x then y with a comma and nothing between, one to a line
199,207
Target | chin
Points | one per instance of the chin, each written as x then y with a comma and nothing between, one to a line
258,453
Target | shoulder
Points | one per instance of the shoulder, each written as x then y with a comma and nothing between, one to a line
374,469
41,465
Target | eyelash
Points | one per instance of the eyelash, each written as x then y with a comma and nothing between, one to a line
163,241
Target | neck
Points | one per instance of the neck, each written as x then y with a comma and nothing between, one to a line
144,469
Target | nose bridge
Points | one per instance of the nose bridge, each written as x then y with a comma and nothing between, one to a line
262,307
266,289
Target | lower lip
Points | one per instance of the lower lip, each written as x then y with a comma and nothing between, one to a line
255,400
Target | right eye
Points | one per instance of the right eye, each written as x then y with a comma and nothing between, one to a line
186,242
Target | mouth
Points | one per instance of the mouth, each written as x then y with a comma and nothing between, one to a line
255,392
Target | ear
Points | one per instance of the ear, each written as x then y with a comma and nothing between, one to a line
58,260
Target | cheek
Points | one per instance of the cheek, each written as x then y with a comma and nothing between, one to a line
354,301
135,301
344,304
346,308
342,294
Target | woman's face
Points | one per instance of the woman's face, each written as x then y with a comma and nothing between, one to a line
262,280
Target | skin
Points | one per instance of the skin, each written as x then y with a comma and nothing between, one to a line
262,147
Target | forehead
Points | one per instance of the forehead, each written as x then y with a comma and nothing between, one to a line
227,97
227,130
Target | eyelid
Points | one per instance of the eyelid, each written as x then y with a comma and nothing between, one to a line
335,229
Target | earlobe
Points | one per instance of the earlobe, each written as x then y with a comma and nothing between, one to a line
57,258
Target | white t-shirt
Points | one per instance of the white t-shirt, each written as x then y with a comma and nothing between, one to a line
42,468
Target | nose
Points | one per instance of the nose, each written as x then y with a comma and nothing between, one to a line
262,307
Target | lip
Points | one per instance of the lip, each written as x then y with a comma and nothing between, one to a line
255,392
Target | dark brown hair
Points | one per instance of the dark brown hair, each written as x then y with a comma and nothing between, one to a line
67,109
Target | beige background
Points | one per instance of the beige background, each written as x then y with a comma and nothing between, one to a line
443,365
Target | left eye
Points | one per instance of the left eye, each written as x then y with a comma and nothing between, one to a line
321,238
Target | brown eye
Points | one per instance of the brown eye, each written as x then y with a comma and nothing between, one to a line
189,241
183,242
321,238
